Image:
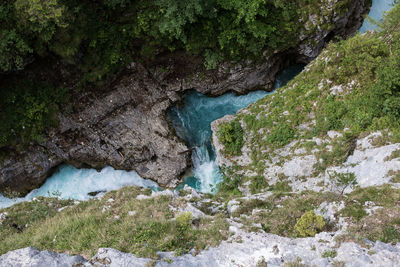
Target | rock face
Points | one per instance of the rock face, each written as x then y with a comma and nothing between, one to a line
126,127
34,258
253,249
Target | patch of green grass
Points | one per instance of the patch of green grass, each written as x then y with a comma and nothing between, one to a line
383,224
329,254
395,154
230,183
281,187
354,210
258,183
342,148
27,110
85,227
281,135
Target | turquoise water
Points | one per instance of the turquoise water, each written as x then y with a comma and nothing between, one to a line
192,123
379,7
69,182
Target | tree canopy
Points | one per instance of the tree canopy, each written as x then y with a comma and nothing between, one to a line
108,33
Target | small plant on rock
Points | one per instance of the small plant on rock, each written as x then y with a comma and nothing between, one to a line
309,224
344,180
329,254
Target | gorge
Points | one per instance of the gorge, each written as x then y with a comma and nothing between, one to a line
290,161
192,124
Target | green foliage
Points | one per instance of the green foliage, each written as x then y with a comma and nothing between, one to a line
230,183
309,224
27,109
281,135
257,184
343,147
344,180
391,107
229,29
40,17
356,211
279,213
230,134
281,187
390,235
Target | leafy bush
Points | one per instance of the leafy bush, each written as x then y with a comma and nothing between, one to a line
309,224
231,136
110,32
391,107
281,135
27,109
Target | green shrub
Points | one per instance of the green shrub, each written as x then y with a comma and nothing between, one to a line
344,180
391,107
281,135
309,224
27,110
231,136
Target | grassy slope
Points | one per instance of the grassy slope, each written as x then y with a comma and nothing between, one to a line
85,227
353,88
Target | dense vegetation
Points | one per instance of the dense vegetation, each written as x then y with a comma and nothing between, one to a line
99,37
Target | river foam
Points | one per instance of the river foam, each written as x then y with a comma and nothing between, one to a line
69,182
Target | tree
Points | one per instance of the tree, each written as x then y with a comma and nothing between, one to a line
40,17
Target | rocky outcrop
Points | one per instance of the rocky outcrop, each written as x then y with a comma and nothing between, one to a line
34,258
126,127
253,249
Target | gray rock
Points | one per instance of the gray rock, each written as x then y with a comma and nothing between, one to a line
31,257
113,258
